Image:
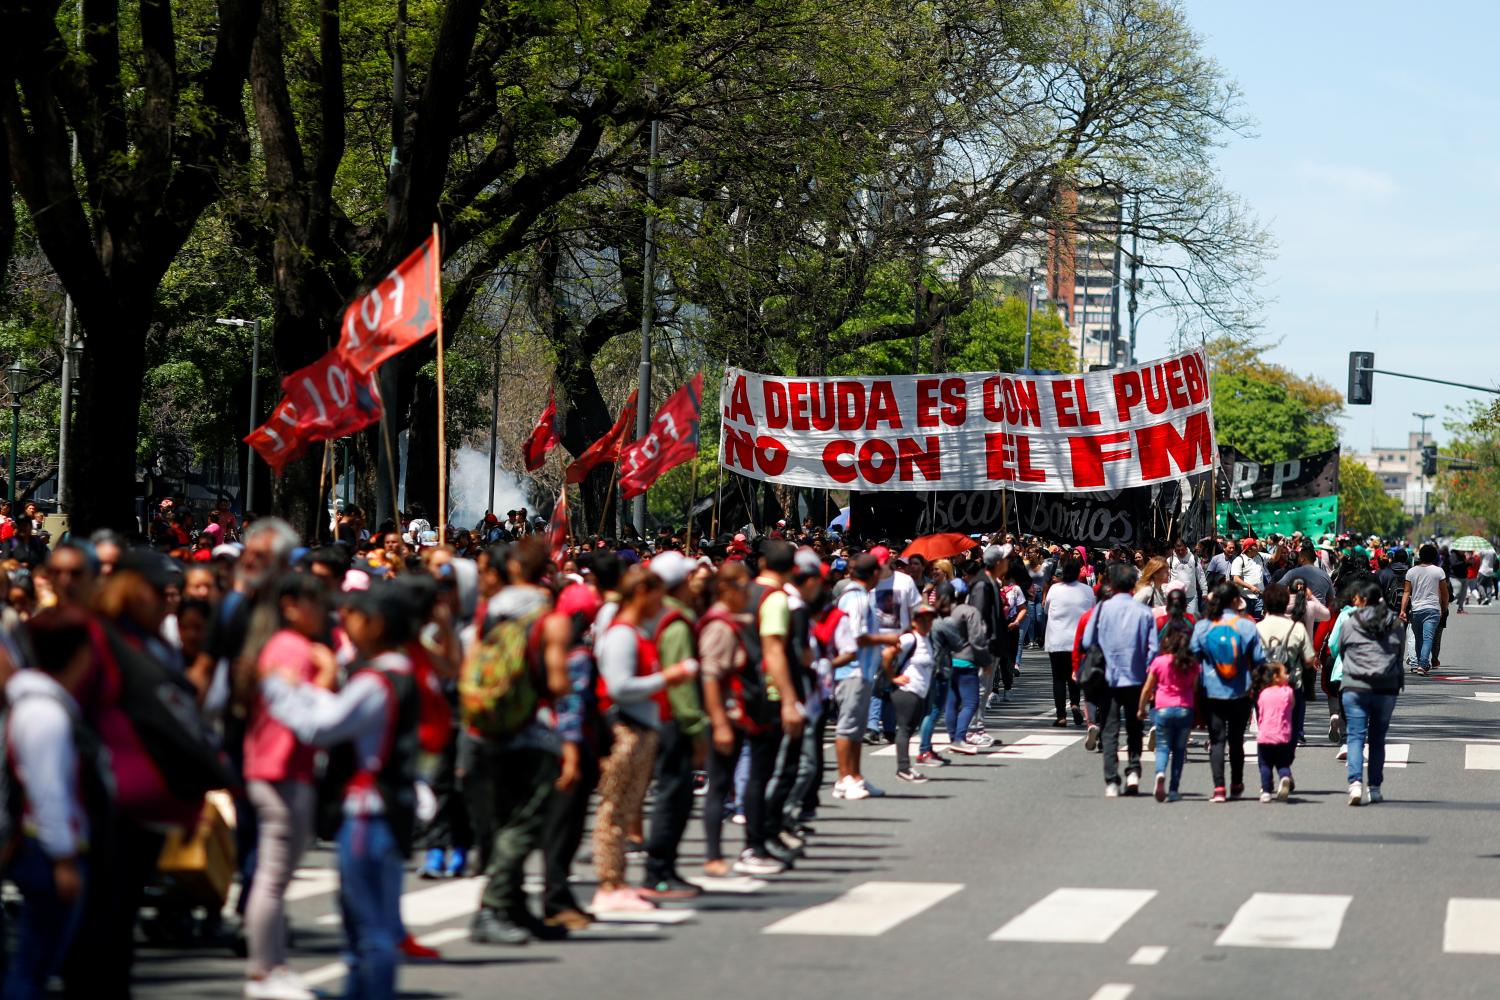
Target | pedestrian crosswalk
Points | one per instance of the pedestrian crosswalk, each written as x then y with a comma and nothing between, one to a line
1075,916
1286,920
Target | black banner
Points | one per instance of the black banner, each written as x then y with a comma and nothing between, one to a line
1133,517
1296,479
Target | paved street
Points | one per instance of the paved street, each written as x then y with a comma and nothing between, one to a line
1012,876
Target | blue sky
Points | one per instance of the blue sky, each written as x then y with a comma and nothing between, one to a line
1376,166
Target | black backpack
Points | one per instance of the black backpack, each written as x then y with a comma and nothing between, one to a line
1396,589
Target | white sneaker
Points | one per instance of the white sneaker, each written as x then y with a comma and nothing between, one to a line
1356,793
963,748
1132,784
839,787
1284,789
1343,753
1265,797
1091,741
1111,790
855,790
1375,795
751,865
281,984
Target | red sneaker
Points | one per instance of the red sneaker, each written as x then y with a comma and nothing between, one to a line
419,952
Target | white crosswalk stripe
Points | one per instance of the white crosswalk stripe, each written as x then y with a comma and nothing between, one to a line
1482,757
867,910
1472,927
434,905
1075,916
1286,920
1029,746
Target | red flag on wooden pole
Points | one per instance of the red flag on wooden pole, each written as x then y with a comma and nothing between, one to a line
607,448
672,440
543,437
558,531
402,309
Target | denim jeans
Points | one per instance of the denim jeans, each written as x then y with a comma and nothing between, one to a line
1425,624
47,924
1367,717
937,700
1172,728
963,701
371,868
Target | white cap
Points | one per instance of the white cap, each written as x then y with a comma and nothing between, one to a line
671,567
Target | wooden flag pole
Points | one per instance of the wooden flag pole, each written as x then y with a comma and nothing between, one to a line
322,521
692,502
442,391
608,496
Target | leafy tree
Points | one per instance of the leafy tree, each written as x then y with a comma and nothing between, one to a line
1267,412
1472,493
158,125
1364,506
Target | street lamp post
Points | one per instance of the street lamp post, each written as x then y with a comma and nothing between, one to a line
15,380
254,325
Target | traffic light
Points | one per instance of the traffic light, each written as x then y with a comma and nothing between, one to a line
1429,460
1361,378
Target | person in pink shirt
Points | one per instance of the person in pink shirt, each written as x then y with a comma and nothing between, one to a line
1274,744
282,639
1170,681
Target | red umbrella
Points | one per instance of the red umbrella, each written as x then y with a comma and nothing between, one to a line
943,546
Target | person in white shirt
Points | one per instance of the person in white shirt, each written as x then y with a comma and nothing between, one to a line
1249,573
910,664
1424,603
1066,602
1183,565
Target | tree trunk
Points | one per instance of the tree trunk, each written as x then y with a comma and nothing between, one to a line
101,455
585,418
422,450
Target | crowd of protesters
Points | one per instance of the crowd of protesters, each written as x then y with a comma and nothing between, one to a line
466,700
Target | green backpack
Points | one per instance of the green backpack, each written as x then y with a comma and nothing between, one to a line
500,686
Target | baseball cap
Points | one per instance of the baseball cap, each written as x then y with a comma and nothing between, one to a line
993,554
882,554
808,562
671,567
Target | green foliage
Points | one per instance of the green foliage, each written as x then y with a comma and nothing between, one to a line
1473,495
1364,506
1267,412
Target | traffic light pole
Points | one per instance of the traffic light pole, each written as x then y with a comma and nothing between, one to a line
1439,381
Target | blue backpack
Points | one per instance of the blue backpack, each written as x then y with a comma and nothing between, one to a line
1223,646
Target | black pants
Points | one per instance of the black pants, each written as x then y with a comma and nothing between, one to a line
99,963
450,825
721,783
673,804
1063,683
810,770
1121,705
1227,718
909,710
562,832
783,780
507,792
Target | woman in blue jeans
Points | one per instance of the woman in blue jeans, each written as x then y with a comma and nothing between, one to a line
1170,683
959,637
1369,644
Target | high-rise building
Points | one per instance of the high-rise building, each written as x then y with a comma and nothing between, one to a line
1084,275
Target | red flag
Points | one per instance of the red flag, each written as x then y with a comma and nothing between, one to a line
327,399
543,436
672,440
395,314
607,448
558,531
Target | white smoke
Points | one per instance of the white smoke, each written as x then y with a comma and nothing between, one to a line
469,488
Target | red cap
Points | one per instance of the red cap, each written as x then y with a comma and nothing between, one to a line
882,554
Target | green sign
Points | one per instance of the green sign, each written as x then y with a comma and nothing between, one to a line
1314,517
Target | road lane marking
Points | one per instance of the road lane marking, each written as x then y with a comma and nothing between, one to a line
1113,991
334,970
740,884
1149,954
867,910
1472,927
437,905
1482,757
1286,920
309,882
1075,916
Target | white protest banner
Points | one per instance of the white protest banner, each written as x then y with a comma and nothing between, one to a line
1106,430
